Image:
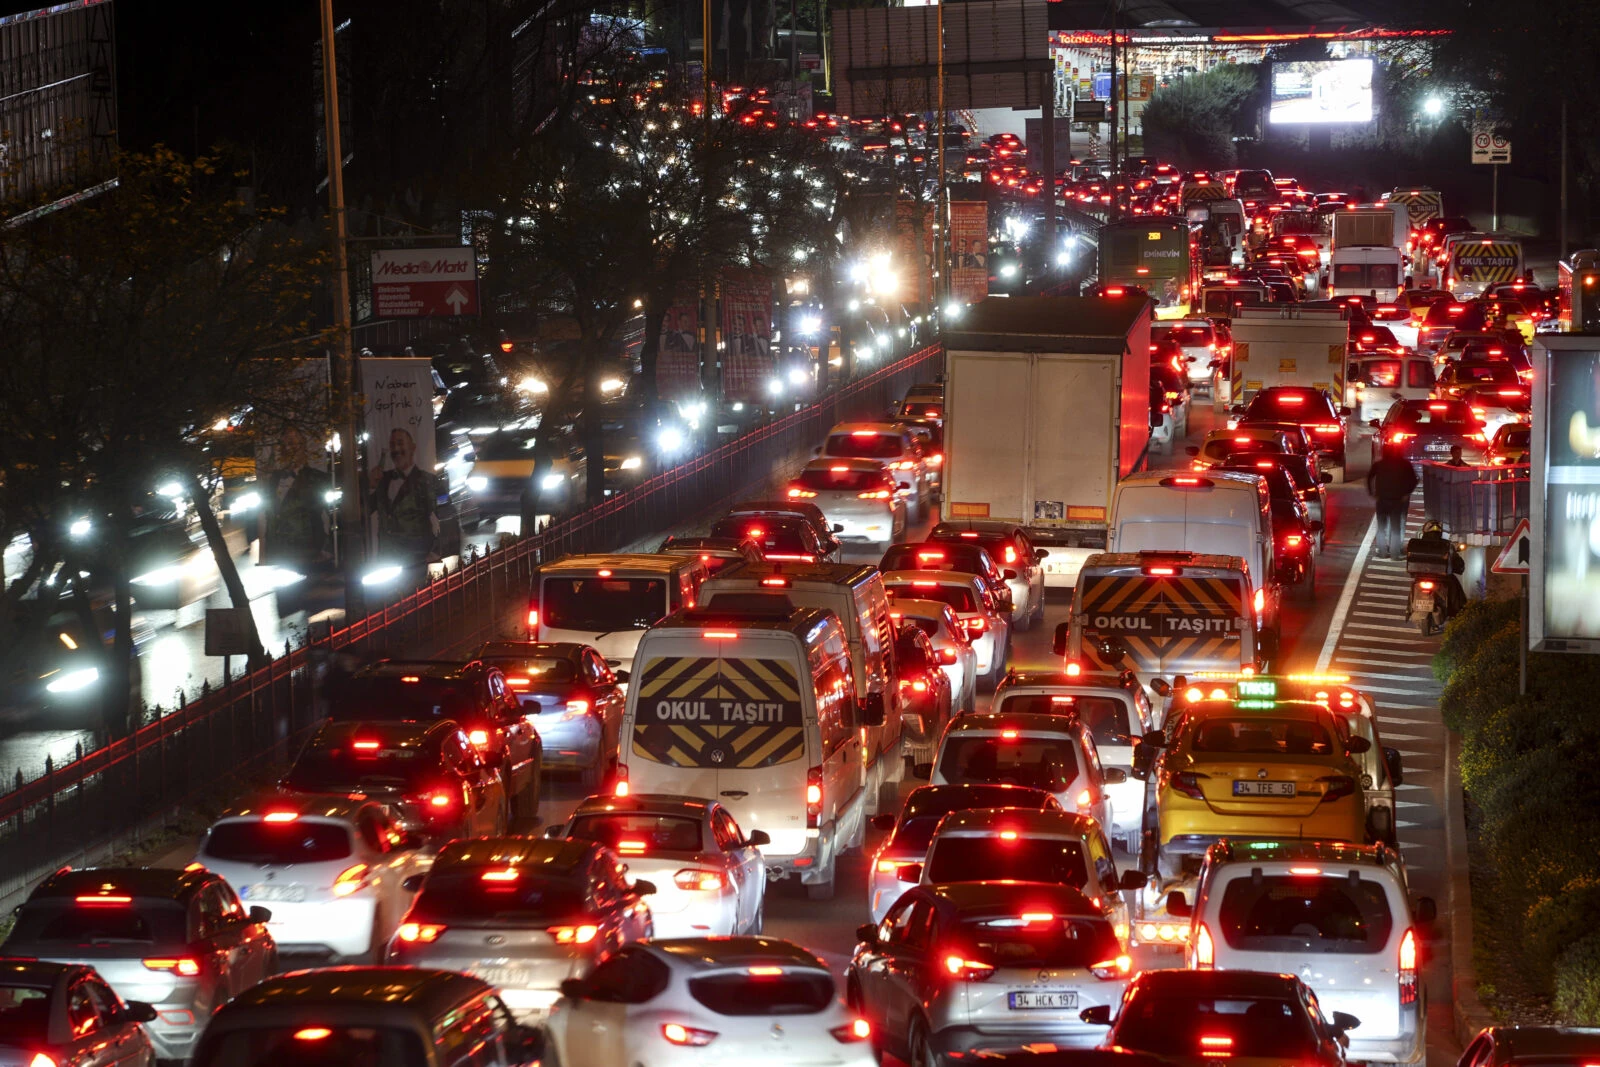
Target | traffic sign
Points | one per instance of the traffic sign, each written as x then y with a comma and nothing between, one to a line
415,283
1513,559
1489,146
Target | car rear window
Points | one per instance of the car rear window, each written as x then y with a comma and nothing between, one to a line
1248,735
1290,405
844,480
1187,336
601,604
1305,913
959,597
1048,763
323,770
1366,275
922,409
1381,373
794,992
1449,415
65,921
864,444
638,833
1106,717
1025,859
999,546
278,844
465,895
1034,942
392,699
537,671
24,1014
953,555
1218,449
1241,1026
322,1045
771,535
1499,372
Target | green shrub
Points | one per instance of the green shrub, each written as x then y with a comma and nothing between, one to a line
1577,985
1468,630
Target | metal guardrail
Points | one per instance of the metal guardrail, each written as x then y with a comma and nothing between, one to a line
118,794
1484,502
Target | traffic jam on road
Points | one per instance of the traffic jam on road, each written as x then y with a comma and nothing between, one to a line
1069,704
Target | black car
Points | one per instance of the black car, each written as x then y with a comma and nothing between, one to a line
574,696
1314,409
715,552
779,537
965,557
925,694
1427,429
474,694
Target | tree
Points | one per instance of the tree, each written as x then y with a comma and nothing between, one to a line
134,321
1194,120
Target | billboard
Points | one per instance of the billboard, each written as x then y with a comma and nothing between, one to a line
1564,496
678,351
969,251
403,489
1334,90
424,282
747,363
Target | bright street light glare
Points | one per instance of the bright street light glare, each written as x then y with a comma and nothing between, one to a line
80,528
381,575
1433,106
671,439
952,310
797,376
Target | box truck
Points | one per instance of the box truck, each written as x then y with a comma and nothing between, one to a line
1286,344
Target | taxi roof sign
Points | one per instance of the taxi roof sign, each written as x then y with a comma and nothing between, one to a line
1257,688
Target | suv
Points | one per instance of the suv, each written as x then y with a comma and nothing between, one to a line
1314,409
473,694
1338,914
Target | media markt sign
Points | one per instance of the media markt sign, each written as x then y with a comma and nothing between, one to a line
424,283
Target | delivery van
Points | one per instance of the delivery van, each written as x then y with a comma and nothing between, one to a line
608,600
1222,513
1162,615
750,703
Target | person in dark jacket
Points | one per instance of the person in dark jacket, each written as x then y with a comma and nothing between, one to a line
1391,481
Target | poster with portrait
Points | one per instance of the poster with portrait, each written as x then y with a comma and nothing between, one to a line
914,250
678,351
294,469
403,489
969,251
747,362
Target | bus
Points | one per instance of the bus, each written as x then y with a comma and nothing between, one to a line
1160,255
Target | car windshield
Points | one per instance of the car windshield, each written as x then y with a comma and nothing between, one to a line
772,534
791,992
1048,763
864,444
61,921
1515,438
1380,373
1291,405
996,857
1305,913
472,894
1106,717
604,605
342,769
1249,735
959,597
1219,449
638,833
843,480
1029,940
332,1046
1192,1024
278,844
24,1014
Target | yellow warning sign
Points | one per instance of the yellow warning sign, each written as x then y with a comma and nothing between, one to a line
969,510
1336,353
722,713
1285,366
1241,351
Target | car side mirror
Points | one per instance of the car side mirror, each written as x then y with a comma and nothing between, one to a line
909,872
1113,776
1458,565
1161,687
1237,409
1156,419
1059,644
872,710
898,485
1178,905
1426,911
137,1011
575,989
1374,423
555,832
1154,739
621,677
839,527
867,934
1006,606
1040,555
410,841
922,771
1343,1021
1395,766
1192,450
1009,575
412,883
884,822
259,914
1132,879
1099,1015
1357,745
1346,412
817,451
642,888
758,838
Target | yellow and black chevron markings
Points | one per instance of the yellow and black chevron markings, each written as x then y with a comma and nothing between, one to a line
724,713
1164,622
1488,261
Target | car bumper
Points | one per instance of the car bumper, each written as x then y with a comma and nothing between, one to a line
952,1044
1407,1048
715,917
530,994
340,927
1185,831
573,743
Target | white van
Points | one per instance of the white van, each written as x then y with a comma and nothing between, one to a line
752,706
607,601
855,593
1374,382
1365,270
1219,513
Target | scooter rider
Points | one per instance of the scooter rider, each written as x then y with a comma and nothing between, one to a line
1441,587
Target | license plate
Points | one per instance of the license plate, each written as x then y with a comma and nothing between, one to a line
1438,448
504,977
1263,789
285,894
1065,999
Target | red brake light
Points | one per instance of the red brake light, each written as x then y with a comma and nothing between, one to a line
478,738
1205,950
695,880
533,618
857,1030
350,879
814,798
1074,669
677,1034
280,816
968,970
310,1033
776,581
1408,968
1161,572
573,935
509,874
184,967
426,933
365,746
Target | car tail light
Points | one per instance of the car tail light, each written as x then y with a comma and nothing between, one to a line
419,933
1293,541
848,1034
935,459
1074,668
1337,786
813,798
1188,783
1425,585
800,494
1400,437
1328,428
1108,970
280,816
183,965
438,800
1205,949
975,626
620,788
947,656
1260,601
967,970
576,709
876,494
1085,798
573,935
533,618
350,879
678,1034
365,746
103,900
478,738
698,880
1408,968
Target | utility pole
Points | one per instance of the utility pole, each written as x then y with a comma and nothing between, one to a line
1561,257
942,210
342,365
1113,102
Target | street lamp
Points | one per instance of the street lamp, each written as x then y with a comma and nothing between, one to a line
1433,107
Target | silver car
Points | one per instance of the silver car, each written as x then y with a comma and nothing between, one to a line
956,967
178,940
858,497
63,1013
522,914
709,876
573,697
957,658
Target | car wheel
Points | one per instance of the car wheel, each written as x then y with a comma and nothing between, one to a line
1038,605
589,777
1023,623
525,805
920,1048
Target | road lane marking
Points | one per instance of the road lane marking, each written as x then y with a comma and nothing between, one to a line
1347,596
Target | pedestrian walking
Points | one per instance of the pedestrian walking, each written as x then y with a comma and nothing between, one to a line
1390,482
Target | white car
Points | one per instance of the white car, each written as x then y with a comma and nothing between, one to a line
956,656
858,497
736,1000
330,868
709,876
988,628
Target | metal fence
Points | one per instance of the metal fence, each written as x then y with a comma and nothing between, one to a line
122,793
1479,504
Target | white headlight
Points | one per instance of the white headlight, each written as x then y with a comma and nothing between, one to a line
811,323
530,384
477,483
80,528
333,496
1062,259
775,387
381,575
632,463
551,481
247,502
671,439
952,310
611,385
797,376
171,489
72,681
1008,271
159,576
884,340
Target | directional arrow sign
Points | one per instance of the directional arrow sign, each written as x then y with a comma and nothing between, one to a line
457,299
1513,559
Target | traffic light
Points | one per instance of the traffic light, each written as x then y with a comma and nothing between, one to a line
1586,300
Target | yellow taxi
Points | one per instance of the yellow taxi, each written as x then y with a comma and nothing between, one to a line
1239,759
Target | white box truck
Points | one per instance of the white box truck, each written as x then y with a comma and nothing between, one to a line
1286,344
1047,405
1368,257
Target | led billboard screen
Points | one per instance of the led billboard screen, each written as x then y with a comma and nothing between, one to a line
1335,90
1565,496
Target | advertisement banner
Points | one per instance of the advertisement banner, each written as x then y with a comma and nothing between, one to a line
747,363
1323,90
293,470
678,352
969,251
403,490
914,250
411,283
1564,492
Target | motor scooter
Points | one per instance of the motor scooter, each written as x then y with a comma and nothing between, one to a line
1436,594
